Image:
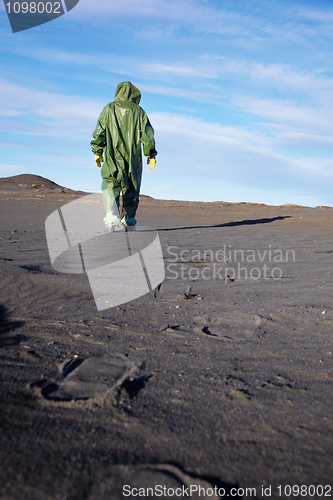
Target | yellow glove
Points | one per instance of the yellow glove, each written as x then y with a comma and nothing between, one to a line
98,160
152,161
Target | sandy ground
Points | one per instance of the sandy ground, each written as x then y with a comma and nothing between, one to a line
217,379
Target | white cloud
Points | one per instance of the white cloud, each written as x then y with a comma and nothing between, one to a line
195,69
178,92
278,75
322,16
194,151
283,21
45,112
289,113
7,169
322,167
165,187
185,11
176,70
155,33
191,150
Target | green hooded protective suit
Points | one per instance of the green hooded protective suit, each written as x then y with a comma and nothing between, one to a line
121,129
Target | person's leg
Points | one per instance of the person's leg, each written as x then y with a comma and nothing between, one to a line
130,202
111,191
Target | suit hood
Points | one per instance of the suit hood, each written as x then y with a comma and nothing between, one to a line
126,91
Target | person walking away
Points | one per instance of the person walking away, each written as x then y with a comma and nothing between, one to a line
121,128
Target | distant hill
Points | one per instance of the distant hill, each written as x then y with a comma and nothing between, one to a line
30,181
22,181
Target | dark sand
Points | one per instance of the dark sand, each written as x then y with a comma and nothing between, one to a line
215,382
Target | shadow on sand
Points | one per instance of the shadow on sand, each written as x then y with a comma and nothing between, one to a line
245,222
6,326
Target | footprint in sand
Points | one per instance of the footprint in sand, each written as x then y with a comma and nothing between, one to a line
90,378
140,478
232,325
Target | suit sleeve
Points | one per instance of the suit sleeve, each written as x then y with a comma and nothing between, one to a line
99,135
147,136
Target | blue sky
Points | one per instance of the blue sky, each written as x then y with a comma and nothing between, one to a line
240,95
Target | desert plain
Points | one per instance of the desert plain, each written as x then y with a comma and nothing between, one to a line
220,379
